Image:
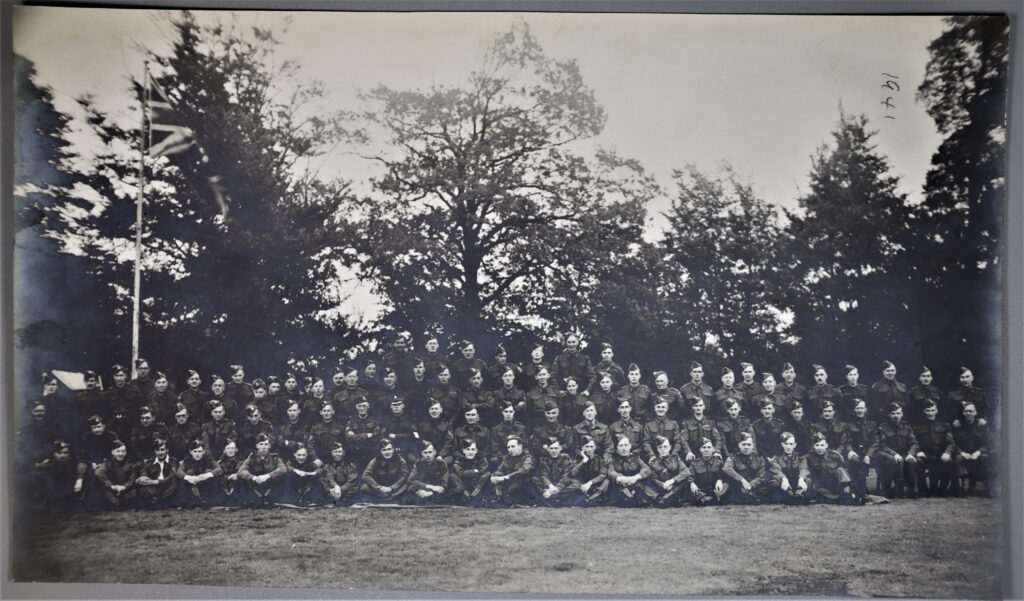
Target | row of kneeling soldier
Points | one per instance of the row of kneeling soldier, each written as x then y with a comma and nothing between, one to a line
429,441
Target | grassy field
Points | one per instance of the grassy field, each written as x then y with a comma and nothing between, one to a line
927,548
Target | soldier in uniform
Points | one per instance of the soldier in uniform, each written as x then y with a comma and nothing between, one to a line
551,427
768,429
717,408
217,394
591,428
896,454
362,434
475,396
608,365
852,390
116,476
303,474
749,387
771,394
508,426
789,470
160,399
605,399
339,478
819,393
315,401
888,390
346,399
471,473
230,462
925,391
507,391
571,363
590,470
292,390
936,449
219,430
400,360
401,430
59,485
553,480
529,373
628,475
142,379
732,428
693,389
380,403
430,479
660,425
570,404
538,398
830,482
511,479
678,409
790,388
965,393
295,431
464,367
264,402
194,399
239,390
262,472
800,427
695,429
474,430
975,458
88,402
157,479
94,449
144,435
416,391
276,396
433,361
749,470
625,427
251,428
123,401
58,410
708,482
861,437
830,426
199,473
669,481
446,393
438,430
638,395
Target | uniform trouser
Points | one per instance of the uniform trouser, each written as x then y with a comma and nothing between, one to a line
596,493
628,496
678,494
199,493
376,495
160,492
119,500
829,485
514,491
974,469
859,477
262,491
763,492
896,474
936,472
706,492
435,498
302,485
348,494
570,495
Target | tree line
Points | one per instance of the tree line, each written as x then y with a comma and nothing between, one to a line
486,224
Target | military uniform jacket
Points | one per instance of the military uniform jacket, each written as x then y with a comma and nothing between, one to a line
669,467
268,408
123,402
722,396
660,427
919,395
557,429
753,468
537,397
346,399
358,428
834,431
527,380
143,439
608,367
570,408
216,434
293,434
190,467
512,395
631,465
471,471
817,395
248,431
416,392
501,432
706,472
731,430
575,365
750,391
895,439
935,438
439,432
392,472
802,431
492,378
307,466
861,436
593,470
91,402
179,436
474,398
605,403
850,393
822,466
255,465
480,434
164,404
639,398
768,434
401,426
433,364
690,392
791,467
401,362
554,470
971,437
241,393
777,398
632,430
153,469
448,395
598,431
323,435
884,392
462,368
961,395
380,399
521,465
117,473
693,429
434,472
343,474
95,449
793,392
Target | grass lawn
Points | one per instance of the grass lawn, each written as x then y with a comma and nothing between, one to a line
927,548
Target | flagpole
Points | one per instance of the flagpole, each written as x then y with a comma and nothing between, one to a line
140,200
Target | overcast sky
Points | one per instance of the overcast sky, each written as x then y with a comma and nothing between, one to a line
759,91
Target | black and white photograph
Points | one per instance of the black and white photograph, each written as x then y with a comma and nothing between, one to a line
539,303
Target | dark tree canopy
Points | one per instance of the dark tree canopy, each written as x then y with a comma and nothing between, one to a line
485,219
